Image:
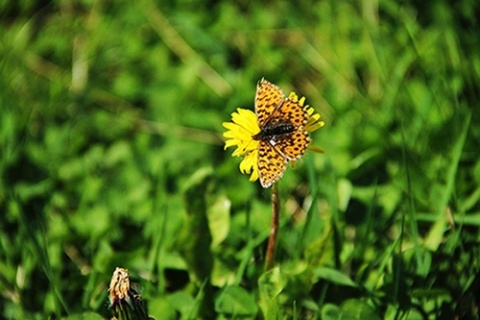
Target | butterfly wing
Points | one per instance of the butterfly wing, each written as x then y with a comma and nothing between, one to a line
271,164
293,146
292,112
267,99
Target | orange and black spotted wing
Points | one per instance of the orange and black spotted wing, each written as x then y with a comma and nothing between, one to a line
292,145
292,112
271,164
267,99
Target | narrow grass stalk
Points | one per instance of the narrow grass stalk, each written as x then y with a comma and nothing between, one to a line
312,211
272,239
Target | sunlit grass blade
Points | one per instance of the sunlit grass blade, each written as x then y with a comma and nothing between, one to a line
435,235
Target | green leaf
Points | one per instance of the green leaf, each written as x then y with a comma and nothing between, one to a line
330,312
270,285
84,315
218,215
236,300
160,308
183,302
334,276
357,309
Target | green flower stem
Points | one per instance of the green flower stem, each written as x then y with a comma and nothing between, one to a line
272,239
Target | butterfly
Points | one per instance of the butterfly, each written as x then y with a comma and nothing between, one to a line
282,136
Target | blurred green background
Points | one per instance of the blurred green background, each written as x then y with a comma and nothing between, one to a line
112,155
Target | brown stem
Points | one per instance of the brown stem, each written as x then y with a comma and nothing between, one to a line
272,239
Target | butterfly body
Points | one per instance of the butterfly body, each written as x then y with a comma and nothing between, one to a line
275,131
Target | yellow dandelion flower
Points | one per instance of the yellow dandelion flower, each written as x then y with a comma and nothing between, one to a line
240,134
278,132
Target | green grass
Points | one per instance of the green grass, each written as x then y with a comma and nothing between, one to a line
111,155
